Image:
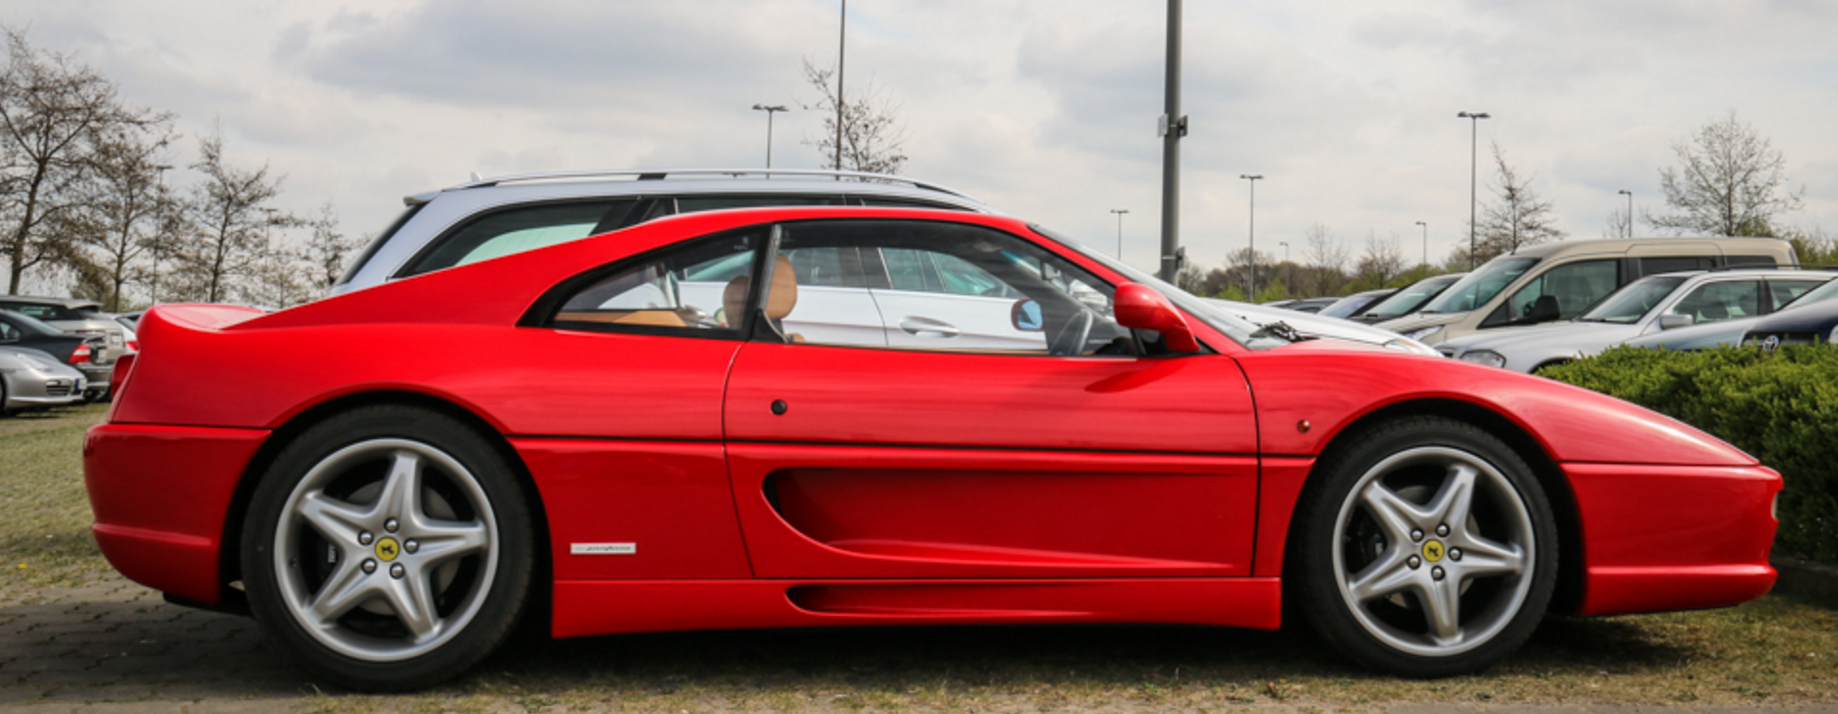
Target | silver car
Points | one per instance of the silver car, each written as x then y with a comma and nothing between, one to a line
1646,306
488,218
1728,332
31,379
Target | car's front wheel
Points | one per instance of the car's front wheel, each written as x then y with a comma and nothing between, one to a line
389,548
1426,548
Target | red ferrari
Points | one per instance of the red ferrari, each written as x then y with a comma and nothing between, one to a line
830,416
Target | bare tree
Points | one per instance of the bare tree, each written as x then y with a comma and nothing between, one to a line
871,132
1729,182
326,249
129,212
54,113
1620,224
1382,261
1516,218
227,225
1327,256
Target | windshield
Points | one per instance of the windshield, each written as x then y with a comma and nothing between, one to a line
1406,301
1628,304
1239,330
1823,292
1481,285
34,324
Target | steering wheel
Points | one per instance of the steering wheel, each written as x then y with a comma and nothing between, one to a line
1070,342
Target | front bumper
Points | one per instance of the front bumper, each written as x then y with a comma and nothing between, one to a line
161,495
40,392
1659,538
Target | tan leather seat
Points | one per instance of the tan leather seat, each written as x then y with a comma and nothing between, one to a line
781,302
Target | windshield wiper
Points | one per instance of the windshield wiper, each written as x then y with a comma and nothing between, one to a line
1279,329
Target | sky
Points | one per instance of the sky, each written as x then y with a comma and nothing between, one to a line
1044,109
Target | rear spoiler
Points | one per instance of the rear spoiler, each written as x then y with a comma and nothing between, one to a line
201,317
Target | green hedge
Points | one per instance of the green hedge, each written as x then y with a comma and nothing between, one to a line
1782,407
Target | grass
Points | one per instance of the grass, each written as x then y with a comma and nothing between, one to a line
1775,651
44,513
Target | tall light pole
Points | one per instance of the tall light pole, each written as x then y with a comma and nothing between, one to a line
842,44
769,110
1253,178
1630,211
1173,126
1289,271
1119,212
1473,149
1426,246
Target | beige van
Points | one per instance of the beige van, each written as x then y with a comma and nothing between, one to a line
1559,281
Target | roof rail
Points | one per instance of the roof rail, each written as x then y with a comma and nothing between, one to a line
657,174
1775,266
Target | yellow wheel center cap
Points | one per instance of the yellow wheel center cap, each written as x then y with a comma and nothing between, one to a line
388,549
1432,550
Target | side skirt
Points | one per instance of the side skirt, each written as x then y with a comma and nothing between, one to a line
598,607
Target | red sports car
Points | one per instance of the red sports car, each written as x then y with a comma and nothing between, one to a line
828,416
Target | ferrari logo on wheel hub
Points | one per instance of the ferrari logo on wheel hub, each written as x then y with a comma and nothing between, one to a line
387,549
1432,551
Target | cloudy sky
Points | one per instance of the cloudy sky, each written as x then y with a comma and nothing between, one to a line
1045,109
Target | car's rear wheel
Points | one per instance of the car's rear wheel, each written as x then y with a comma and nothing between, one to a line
389,548
1426,548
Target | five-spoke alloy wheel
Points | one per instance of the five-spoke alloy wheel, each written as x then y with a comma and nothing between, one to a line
1426,548
389,547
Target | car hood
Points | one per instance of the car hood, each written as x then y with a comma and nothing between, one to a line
1418,321
1817,317
1562,336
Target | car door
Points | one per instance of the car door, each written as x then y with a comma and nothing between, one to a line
1079,457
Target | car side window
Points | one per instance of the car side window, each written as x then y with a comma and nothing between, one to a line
1576,286
9,333
516,230
950,287
699,290
1719,301
1781,292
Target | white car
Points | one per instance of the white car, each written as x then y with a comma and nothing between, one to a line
1647,306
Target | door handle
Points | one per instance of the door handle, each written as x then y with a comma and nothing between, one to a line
914,325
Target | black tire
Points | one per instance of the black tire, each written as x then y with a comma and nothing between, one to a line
468,596
1438,599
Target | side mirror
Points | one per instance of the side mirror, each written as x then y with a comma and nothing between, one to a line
1673,322
1544,309
1138,306
1025,316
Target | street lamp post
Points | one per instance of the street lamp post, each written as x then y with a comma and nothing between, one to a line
1426,247
1289,271
1473,149
1252,231
842,45
1119,212
769,110
1630,211
1172,127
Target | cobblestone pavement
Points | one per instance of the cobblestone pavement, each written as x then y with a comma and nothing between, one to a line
117,647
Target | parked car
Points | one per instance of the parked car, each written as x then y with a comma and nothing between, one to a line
79,352
74,315
1308,325
1559,281
31,379
1355,304
1727,332
126,320
1645,306
1813,324
488,218
706,465
1407,300
1308,305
